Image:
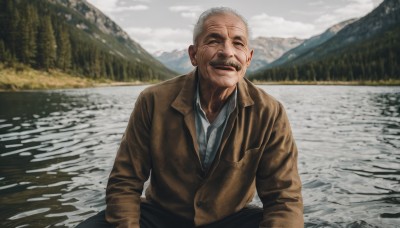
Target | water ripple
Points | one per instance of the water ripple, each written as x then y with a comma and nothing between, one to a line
57,149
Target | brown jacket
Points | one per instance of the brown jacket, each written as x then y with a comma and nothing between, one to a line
257,151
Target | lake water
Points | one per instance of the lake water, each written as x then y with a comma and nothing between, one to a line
57,149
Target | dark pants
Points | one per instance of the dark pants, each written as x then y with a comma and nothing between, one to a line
152,216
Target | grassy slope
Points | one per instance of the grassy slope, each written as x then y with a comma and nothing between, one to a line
25,78
32,79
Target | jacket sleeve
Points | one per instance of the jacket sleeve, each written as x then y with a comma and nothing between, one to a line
278,182
131,169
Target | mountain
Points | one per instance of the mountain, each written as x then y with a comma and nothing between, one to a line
266,50
101,29
384,17
367,49
310,43
176,60
74,36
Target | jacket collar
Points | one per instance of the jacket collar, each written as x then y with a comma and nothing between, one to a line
244,98
184,102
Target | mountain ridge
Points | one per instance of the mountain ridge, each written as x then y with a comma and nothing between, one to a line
107,26
268,49
366,50
310,43
373,23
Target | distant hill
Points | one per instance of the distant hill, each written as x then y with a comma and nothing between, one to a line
309,44
75,37
176,60
266,50
367,49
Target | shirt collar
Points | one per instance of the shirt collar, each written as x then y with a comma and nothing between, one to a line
231,104
183,103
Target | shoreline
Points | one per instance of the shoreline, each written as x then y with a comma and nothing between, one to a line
27,79
332,83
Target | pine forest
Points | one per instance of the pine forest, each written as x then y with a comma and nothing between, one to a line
34,35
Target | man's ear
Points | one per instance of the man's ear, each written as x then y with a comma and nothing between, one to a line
192,54
248,60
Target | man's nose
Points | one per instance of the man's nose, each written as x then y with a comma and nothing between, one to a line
226,50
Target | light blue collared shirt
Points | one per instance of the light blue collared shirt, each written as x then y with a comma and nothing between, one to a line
209,135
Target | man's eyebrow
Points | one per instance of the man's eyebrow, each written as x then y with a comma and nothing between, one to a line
214,35
219,36
241,38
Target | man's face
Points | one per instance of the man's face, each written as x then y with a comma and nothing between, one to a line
221,51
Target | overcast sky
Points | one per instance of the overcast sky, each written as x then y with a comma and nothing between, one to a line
160,25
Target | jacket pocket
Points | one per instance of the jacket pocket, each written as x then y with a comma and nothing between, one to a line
249,157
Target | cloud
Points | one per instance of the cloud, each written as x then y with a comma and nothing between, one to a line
187,11
111,6
316,3
129,2
185,8
104,5
165,39
268,26
352,9
128,8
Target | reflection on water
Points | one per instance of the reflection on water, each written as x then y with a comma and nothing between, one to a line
57,149
350,157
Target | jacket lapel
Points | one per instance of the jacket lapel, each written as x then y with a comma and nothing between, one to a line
184,103
243,100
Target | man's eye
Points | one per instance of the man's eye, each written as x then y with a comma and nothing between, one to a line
212,41
239,44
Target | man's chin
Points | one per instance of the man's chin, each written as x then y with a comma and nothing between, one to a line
225,82
223,78
225,72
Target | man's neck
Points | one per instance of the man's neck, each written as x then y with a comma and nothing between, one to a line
213,98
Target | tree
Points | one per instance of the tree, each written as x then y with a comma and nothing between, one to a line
95,68
295,73
46,44
9,20
64,56
4,53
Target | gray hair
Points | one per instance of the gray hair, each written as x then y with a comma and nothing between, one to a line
198,27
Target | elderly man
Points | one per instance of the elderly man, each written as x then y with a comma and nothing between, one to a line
208,140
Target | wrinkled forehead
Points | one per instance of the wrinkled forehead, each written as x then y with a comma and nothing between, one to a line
225,22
